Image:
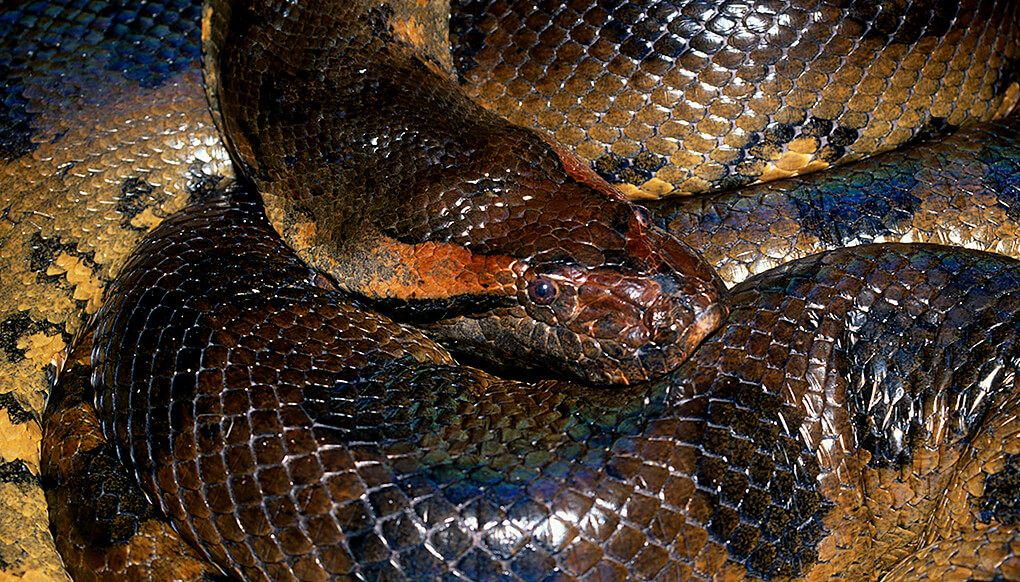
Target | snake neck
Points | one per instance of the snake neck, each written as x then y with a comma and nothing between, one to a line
377,170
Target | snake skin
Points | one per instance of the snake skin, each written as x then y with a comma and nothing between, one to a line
961,190
353,448
697,96
460,219
104,133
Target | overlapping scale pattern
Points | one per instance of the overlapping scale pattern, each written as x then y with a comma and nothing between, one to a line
961,190
697,96
104,131
290,457
746,462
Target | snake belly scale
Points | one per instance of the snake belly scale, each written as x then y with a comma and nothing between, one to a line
855,417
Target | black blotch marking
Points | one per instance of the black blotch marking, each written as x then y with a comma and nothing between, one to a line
893,370
817,127
17,472
1002,175
1001,498
609,166
204,187
760,480
17,326
14,408
835,138
770,143
903,22
1009,75
15,121
843,136
45,251
830,154
113,506
780,134
11,329
136,196
731,181
632,175
648,162
615,168
933,127
863,207
686,27
925,21
887,383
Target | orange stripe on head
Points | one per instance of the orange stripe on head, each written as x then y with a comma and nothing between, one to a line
383,268
441,270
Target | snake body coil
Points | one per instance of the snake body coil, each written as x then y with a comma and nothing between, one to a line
855,399
292,436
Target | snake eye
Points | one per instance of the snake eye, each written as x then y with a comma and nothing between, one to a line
542,291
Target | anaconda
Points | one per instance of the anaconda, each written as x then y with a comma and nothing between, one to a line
139,190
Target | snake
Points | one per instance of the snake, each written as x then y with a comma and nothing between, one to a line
842,385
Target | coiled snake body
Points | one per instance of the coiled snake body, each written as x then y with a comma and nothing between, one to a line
855,417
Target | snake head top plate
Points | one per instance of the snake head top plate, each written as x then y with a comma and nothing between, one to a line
377,170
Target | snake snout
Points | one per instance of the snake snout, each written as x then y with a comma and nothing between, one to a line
689,304
683,315
671,346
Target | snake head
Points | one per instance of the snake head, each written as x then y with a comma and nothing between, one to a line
635,317
562,273
614,301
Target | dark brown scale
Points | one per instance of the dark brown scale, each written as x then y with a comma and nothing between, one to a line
252,350
450,469
294,450
102,523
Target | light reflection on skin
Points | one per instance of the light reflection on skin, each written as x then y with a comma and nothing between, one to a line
559,532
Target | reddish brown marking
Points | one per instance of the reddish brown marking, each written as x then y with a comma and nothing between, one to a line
431,270
582,172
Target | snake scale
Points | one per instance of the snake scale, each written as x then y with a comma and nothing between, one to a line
855,417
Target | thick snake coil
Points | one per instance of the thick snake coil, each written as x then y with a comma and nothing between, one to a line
855,417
